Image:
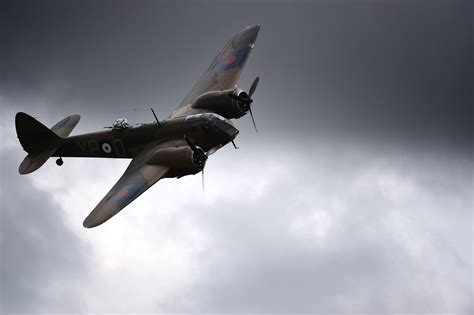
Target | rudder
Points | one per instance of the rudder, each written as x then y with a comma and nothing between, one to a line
33,135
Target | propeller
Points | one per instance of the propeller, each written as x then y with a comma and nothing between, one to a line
247,100
202,179
199,157
253,87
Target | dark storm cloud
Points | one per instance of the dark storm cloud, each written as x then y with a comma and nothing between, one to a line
42,261
391,71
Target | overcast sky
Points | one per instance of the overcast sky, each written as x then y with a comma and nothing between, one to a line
355,195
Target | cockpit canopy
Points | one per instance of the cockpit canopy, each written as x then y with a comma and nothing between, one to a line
212,117
121,123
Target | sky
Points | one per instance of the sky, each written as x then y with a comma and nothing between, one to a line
355,196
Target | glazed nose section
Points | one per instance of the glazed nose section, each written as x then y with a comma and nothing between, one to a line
223,124
228,127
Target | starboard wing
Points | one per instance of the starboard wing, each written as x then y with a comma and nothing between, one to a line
138,177
225,69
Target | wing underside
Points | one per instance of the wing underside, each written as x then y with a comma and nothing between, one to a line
135,181
225,69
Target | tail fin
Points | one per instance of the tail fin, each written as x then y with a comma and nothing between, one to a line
40,141
33,135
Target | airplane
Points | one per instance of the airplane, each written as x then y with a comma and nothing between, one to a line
172,148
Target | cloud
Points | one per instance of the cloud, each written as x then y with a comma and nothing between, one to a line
355,196
42,260
350,234
336,227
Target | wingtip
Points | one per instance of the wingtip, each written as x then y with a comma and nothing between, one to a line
76,117
251,29
247,36
92,221
255,26
101,213
87,224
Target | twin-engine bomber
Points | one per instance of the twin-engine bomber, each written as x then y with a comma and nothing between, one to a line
177,146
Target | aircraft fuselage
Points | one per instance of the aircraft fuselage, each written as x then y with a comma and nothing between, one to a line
208,129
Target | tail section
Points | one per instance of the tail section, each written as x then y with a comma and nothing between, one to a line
33,135
39,141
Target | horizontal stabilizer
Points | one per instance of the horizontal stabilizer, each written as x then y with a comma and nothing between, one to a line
34,161
65,126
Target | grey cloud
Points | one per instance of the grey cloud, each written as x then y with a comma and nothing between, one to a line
42,261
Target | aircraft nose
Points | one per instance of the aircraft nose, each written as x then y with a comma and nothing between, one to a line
230,129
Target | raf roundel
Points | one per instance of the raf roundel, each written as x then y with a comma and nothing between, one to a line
229,60
232,59
124,195
106,148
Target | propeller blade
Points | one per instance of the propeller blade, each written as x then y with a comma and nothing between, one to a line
212,150
253,120
253,87
203,180
190,144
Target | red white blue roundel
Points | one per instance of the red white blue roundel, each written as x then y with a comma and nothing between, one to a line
125,194
232,59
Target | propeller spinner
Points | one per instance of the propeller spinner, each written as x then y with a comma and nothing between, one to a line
199,157
247,99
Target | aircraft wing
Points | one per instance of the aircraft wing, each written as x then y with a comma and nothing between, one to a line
138,177
225,69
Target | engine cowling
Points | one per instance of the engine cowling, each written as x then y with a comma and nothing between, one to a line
219,102
181,160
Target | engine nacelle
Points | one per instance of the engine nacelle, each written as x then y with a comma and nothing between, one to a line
181,160
219,102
